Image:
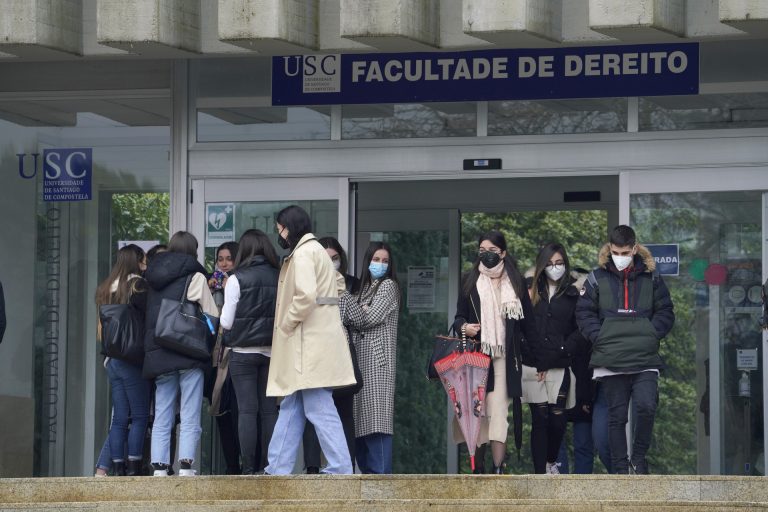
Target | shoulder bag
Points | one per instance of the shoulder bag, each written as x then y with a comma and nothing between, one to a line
122,332
181,327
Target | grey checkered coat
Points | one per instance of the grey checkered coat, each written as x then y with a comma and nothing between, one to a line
374,333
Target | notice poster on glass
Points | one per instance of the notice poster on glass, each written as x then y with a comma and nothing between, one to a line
421,288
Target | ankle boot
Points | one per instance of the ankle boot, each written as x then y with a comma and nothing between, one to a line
134,468
118,468
499,470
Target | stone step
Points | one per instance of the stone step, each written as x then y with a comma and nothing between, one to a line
458,505
391,492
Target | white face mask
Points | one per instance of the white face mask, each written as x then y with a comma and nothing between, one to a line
621,262
555,272
336,265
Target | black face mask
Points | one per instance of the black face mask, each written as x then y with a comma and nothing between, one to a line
490,259
282,242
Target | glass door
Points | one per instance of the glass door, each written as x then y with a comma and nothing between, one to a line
223,209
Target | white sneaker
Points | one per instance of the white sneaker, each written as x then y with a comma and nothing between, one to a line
160,472
552,468
187,472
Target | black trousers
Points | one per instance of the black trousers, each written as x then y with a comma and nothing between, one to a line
643,389
257,413
548,424
311,443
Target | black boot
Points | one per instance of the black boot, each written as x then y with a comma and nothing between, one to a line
313,470
479,460
134,468
118,468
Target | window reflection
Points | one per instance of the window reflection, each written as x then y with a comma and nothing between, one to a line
411,120
704,112
548,117
263,123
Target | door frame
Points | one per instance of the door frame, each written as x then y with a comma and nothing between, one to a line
225,190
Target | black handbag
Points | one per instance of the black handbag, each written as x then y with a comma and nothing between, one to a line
352,389
122,332
181,327
445,346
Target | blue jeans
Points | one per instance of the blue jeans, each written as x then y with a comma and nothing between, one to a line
105,460
317,407
600,427
374,453
583,450
130,410
190,382
642,389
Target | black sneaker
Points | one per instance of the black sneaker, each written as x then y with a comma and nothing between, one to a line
639,468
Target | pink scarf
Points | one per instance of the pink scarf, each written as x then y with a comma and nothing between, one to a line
493,315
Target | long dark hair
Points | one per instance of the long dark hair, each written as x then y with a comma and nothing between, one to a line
540,277
183,242
127,263
510,265
329,242
365,275
255,242
296,220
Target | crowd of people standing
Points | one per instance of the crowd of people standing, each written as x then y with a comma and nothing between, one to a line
306,354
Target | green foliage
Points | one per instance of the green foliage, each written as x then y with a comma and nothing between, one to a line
420,413
140,216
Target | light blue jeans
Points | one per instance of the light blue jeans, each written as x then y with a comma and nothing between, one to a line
190,382
317,407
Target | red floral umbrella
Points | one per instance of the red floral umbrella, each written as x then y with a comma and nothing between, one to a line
464,375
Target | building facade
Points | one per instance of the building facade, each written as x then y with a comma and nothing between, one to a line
408,121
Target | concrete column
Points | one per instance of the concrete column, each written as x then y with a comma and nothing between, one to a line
638,20
40,28
269,26
529,22
403,25
747,15
159,28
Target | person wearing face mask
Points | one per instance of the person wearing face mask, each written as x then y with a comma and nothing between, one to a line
549,385
310,355
370,313
625,310
494,308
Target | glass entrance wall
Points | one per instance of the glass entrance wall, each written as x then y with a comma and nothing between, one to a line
710,416
247,215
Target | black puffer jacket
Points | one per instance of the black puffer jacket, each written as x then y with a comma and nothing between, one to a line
255,312
559,335
166,275
627,315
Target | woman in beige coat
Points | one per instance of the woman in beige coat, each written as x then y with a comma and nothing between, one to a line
310,355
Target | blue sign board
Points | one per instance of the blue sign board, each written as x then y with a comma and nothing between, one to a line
513,74
67,174
667,258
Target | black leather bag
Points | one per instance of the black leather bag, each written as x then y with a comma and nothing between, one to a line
354,388
122,332
445,346
181,327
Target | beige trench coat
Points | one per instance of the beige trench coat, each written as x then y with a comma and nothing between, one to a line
309,348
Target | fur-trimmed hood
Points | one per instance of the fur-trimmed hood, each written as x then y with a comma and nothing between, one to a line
605,256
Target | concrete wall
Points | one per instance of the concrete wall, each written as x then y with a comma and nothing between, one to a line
32,29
